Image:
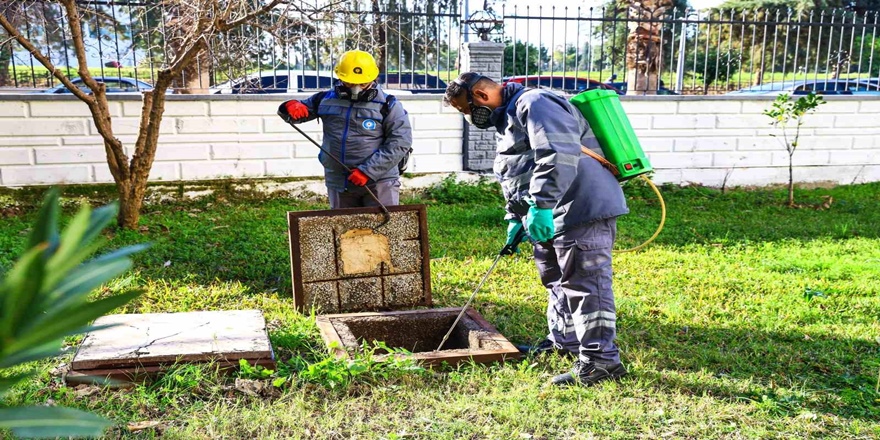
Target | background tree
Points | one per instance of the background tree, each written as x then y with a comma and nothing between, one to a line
624,20
644,45
527,61
782,113
717,66
207,18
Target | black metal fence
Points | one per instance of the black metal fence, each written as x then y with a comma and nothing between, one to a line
684,51
695,52
416,48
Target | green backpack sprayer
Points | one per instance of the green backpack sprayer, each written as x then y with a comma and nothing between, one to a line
623,154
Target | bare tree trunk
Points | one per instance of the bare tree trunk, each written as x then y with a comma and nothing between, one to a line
189,55
790,180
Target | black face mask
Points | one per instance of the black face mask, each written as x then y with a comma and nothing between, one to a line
480,114
344,92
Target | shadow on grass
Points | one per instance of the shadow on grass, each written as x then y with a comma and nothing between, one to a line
697,215
783,373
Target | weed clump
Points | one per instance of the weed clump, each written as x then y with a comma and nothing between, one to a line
451,191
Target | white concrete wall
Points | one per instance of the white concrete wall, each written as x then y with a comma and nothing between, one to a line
707,139
47,139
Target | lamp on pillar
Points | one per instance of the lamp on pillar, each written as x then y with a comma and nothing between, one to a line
483,22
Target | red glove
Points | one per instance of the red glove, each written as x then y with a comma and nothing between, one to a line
296,110
358,177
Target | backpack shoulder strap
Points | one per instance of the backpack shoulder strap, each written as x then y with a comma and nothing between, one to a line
390,100
316,100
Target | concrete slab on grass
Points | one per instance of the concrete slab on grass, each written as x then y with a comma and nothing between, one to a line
151,339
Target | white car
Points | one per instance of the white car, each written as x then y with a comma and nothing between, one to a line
282,81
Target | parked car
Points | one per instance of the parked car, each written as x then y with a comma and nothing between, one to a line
276,81
622,87
820,86
413,82
569,84
294,81
113,84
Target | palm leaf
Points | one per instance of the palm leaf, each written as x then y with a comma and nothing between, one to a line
47,421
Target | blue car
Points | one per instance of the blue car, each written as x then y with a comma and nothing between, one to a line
819,86
412,82
114,84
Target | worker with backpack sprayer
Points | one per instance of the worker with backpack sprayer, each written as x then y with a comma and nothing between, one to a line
564,192
367,134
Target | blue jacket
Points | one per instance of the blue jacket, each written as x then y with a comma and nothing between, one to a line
539,138
358,135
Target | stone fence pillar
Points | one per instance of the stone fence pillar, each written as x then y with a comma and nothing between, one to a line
484,57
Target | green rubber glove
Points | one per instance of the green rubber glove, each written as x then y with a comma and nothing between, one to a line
539,223
513,241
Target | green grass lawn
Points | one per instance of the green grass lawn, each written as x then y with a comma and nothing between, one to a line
745,319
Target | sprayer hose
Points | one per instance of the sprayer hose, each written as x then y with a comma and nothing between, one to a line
662,218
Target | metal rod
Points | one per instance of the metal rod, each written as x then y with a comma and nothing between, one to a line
515,40
861,50
775,46
601,47
553,47
116,44
785,49
830,43
468,303
385,213
133,44
797,43
540,45
528,43
873,43
27,25
577,53
62,14
852,39
818,50
763,52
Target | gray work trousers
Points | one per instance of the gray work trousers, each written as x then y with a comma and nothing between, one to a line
388,192
575,267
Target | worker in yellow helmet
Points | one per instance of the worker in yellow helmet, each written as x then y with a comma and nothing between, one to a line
365,128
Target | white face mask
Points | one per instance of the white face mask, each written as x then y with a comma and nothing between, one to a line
355,91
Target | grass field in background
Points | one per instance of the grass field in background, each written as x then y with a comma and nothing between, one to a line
745,319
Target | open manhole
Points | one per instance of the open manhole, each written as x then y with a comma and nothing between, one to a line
420,332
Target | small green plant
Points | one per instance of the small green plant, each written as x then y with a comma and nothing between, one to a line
44,297
248,371
782,112
333,372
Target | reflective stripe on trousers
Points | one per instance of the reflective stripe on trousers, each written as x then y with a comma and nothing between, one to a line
576,270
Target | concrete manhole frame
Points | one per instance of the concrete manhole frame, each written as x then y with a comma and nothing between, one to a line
333,328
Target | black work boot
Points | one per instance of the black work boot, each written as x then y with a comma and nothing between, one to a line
545,346
590,373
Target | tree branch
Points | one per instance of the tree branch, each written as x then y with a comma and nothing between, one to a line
116,158
44,60
226,25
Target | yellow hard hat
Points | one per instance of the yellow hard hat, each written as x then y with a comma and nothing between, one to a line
357,67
